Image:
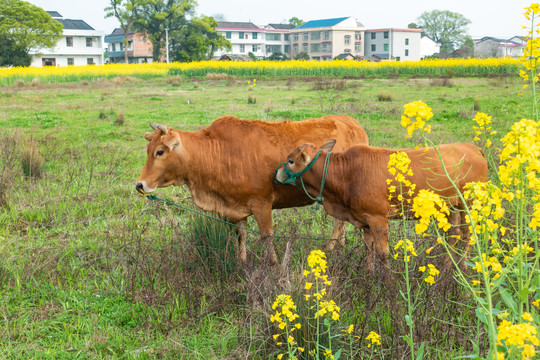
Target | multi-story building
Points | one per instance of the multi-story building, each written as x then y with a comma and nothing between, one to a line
493,47
81,44
398,44
139,48
325,39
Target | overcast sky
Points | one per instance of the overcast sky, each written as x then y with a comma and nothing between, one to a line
497,18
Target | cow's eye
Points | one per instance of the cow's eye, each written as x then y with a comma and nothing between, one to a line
290,161
159,152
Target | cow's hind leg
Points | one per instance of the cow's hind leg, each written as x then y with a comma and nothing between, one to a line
338,236
459,239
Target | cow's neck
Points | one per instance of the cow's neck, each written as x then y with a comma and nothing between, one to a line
314,177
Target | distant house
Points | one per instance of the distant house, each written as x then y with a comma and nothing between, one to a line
429,47
139,49
391,43
81,44
327,38
494,47
235,57
245,37
346,56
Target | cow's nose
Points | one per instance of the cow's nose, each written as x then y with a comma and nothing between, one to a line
139,188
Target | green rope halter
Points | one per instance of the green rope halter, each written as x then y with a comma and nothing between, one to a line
293,176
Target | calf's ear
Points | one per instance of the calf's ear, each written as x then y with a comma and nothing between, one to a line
148,136
171,140
329,145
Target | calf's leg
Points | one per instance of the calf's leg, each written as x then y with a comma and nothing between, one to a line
338,236
262,211
241,230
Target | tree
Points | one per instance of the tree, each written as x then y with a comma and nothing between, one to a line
198,40
296,22
157,15
446,27
125,11
302,56
24,27
277,56
468,47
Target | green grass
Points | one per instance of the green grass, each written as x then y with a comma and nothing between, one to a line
90,270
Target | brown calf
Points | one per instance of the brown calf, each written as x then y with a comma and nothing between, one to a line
355,189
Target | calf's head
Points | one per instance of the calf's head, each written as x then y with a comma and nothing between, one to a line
299,160
163,160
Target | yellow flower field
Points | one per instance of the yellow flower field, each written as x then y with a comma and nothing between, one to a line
340,68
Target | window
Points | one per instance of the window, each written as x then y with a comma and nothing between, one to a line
295,37
90,61
254,35
228,35
347,51
326,47
357,35
242,48
69,41
121,46
241,35
406,41
326,35
373,47
89,42
347,39
385,35
287,49
113,47
315,35
385,46
305,37
286,37
295,48
406,52
70,61
304,48
274,37
315,47
357,47
373,35
254,48
273,48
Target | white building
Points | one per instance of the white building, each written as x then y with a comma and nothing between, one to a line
428,47
398,44
494,47
81,44
327,38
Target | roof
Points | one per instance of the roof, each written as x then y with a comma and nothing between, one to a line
119,32
322,23
54,14
394,29
70,24
237,25
235,57
282,26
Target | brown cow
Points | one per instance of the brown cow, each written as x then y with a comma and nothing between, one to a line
229,166
355,189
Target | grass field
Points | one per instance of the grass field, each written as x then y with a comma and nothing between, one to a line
90,270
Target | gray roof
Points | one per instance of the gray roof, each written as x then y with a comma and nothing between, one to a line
119,32
282,26
237,25
54,14
74,24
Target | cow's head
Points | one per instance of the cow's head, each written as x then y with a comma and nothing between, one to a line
299,160
163,159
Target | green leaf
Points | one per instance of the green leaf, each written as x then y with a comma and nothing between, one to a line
337,354
509,301
408,340
420,353
523,294
408,320
481,315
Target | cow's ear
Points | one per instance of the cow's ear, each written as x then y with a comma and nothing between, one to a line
328,146
306,159
148,136
171,140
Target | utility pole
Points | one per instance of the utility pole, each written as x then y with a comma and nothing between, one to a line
167,43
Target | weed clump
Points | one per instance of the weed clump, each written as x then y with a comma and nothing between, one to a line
385,97
31,159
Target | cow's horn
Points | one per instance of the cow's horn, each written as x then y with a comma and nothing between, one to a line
154,126
163,129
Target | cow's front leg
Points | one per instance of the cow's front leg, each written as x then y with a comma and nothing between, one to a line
338,236
262,211
376,239
241,230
